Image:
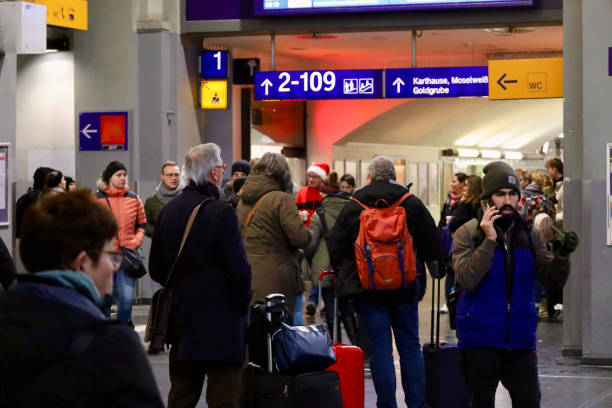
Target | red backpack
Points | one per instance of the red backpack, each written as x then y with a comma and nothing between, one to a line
383,249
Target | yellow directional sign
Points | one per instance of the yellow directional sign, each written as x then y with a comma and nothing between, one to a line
526,78
66,13
213,94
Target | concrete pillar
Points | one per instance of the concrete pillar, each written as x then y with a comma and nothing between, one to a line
588,97
8,129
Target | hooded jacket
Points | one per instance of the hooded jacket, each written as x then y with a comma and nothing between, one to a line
129,214
272,238
40,319
421,225
497,278
332,204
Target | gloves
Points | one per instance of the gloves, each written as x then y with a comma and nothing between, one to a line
566,242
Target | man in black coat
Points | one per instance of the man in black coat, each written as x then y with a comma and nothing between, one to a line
380,312
211,286
7,266
29,198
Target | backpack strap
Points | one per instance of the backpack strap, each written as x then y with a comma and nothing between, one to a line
401,200
475,233
324,228
395,204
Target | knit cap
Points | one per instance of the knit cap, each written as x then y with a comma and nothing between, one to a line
498,175
242,166
111,169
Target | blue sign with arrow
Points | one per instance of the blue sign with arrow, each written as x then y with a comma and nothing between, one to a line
103,131
341,84
447,82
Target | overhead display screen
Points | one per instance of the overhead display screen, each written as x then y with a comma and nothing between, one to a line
272,7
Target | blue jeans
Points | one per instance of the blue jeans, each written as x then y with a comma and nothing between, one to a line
123,289
298,312
378,319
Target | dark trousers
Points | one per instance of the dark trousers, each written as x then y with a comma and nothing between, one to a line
517,370
187,380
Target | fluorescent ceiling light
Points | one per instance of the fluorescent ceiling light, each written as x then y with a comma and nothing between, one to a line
470,140
513,155
490,154
545,147
468,152
560,135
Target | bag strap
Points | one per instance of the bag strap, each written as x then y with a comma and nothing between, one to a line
395,203
111,208
190,221
252,213
324,228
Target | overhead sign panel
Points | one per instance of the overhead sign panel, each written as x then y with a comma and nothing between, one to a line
267,7
66,13
342,84
213,94
446,82
103,131
526,78
214,64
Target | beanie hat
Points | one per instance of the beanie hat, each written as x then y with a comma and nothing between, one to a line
111,169
498,175
320,169
241,165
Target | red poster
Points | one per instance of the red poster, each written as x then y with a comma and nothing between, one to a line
112,129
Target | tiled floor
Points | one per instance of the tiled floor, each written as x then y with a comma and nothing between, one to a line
564,383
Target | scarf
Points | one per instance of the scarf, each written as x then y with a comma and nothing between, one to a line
165,195
454,198
77,281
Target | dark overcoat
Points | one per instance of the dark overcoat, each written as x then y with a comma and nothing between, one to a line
212,278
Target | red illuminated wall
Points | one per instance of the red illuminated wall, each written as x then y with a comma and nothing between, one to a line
329,121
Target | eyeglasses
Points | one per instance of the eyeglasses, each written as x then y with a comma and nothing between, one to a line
171,175
221,166
116,257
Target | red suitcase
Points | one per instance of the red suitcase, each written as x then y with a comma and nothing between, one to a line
349,364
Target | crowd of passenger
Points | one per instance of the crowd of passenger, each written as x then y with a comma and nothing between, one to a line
259,234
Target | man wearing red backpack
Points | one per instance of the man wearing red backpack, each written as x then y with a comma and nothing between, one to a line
373,247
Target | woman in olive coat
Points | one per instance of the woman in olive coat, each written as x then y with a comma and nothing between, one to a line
275,230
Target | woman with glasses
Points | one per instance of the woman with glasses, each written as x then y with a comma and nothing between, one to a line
58,346
129,212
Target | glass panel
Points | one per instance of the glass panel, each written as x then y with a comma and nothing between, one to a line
400,171
339,167
434,196
413,177
364,173
351,168
423,190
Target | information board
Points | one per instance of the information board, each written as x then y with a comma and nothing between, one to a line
214,64
103,131
271,7
309,85
4,183
447,82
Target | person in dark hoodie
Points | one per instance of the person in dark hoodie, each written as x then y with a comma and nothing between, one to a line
384,312
497,259
58,347
29,198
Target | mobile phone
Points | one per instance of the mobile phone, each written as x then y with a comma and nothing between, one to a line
485,204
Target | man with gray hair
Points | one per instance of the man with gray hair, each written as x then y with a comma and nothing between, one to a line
381,311
211,285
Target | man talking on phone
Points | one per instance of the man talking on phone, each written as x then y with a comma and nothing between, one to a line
497,259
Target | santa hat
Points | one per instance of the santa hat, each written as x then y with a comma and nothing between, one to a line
320,169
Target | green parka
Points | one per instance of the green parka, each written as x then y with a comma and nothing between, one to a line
320,260
271,240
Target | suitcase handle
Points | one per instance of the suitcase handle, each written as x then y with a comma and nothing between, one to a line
334,338
435,323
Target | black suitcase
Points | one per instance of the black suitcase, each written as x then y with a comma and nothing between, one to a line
445,385
266,388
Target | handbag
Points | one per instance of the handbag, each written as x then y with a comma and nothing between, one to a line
159,314
132,263
302,349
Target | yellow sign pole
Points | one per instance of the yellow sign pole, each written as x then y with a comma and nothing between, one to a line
66,13
526,78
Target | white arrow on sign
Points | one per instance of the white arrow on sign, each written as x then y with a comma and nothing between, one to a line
266,84
398,83
86,131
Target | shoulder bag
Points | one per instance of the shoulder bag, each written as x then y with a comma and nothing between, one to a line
159,313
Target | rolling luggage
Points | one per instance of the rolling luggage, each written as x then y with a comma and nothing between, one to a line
445,385
349,365
271,389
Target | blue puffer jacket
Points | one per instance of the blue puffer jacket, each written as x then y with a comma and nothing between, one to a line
501,312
